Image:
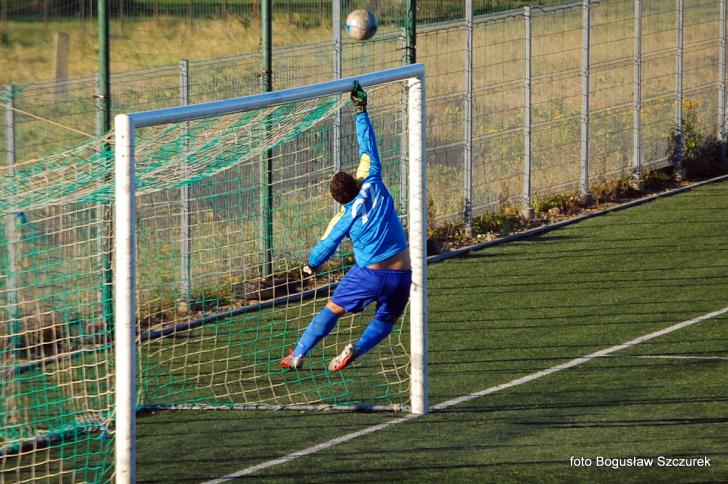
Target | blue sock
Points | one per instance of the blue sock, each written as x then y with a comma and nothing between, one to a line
375,332
321,325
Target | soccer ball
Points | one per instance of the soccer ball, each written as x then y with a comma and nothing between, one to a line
361,24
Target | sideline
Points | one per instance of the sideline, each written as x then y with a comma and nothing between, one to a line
465,398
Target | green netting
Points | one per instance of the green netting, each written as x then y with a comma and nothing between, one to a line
55,347
234,361
212,322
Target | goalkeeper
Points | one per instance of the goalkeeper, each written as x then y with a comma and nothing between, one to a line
382,271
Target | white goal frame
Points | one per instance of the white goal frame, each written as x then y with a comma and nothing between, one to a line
125,274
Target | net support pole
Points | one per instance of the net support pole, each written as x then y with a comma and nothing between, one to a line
636,179
584,194
418,244
185,238
11,226
722,82
679,171
125,301
266,161
527,210
468,151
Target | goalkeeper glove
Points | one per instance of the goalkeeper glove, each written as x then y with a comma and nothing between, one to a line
359,98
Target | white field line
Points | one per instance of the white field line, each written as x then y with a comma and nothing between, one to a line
465,398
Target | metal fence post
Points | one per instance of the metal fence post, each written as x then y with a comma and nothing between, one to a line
721,81
11,227
3,21
404,137
336,29
586,197
185,236
527,210
103,116
266,164
103,93
678,161
99,215
99,112
411,29
468,154
636,179
104,215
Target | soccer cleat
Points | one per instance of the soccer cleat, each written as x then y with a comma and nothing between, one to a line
343,360
292,362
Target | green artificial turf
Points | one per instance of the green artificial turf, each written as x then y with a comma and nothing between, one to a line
504,312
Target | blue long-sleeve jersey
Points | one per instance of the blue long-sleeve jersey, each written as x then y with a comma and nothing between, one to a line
370,219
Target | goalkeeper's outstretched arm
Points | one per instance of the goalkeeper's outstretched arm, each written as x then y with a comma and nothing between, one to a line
369,161
336,231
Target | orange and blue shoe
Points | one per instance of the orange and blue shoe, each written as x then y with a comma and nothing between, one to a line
292,362
344,359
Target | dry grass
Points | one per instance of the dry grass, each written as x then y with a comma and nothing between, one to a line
138,44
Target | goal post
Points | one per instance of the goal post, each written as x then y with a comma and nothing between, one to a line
127,275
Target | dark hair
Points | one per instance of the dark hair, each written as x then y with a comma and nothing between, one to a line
344,187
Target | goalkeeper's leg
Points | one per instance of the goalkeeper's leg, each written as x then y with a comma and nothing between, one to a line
374,334
321,325
391,303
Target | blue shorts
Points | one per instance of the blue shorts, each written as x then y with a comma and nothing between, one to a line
362,286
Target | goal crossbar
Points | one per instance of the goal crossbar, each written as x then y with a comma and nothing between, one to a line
248,103
125,272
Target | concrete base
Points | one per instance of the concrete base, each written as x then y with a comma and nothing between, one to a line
182,307
587,199
528,213
637,185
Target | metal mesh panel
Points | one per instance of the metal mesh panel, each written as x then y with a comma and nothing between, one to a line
701,69
441,51
498,70
556,70
611,89
658,79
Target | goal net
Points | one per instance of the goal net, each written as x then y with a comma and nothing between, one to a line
215,209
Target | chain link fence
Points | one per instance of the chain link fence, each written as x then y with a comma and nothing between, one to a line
150,33
522,103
